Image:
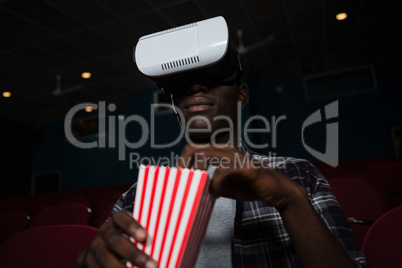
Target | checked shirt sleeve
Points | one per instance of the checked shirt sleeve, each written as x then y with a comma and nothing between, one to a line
323,200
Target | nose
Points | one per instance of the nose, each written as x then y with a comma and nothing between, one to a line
196,88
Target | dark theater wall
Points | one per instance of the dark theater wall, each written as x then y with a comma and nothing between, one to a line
365,120
78,167
102,166
16,153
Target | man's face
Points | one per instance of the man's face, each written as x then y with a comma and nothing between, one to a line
201,105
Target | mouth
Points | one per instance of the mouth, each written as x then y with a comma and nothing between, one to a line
198,104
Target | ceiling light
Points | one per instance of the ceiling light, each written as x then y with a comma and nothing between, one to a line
86,75
341,16
6,94
88,109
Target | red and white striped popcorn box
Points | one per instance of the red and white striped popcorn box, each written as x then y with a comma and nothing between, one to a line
174,205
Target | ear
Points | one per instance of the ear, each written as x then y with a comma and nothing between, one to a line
243,94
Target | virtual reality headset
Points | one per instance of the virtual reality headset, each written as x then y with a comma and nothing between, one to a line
199,52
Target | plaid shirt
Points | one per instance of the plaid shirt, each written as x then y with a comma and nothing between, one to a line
260,237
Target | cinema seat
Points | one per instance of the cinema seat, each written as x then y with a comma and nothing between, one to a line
12,222
383,243
62,213
387,177
361,202
46,246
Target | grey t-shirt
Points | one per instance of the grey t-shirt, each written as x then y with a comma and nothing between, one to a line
216,248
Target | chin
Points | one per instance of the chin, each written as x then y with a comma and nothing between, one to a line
199,138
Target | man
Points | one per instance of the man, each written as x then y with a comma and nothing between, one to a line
284,215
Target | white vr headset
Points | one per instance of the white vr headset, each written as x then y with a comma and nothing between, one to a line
185,54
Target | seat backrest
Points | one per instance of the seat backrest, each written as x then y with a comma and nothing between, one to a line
62,213
103,217
383,243
358,198
361,200
387,176
12,222
75,196
46,246
330,172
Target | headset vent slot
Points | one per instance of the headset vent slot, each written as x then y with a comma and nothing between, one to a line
179,63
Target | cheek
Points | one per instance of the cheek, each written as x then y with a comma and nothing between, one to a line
177,98
176,102
228,110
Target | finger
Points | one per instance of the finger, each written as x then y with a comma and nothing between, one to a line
186,159
90,261
201,156
129,225
120,245
233,184
98,255
140,259
193,157
86,259
117,241
200,160
218,157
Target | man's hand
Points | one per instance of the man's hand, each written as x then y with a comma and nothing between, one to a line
240,176
112,244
